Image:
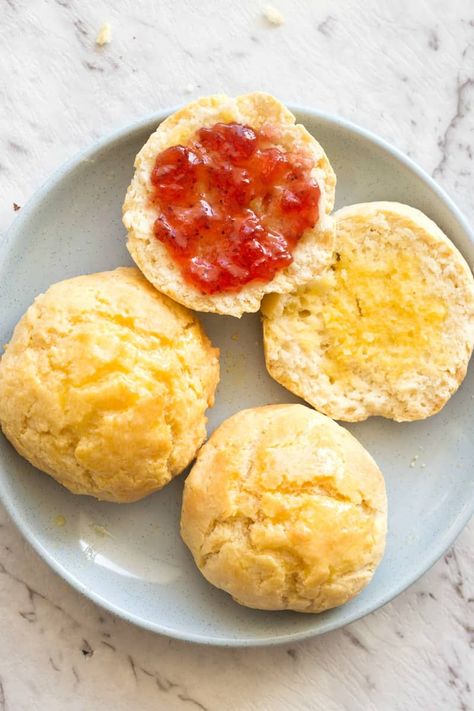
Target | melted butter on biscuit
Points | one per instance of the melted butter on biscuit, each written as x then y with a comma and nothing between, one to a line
381,313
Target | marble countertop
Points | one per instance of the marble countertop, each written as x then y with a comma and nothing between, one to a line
404,70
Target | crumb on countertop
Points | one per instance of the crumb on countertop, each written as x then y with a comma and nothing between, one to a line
273,15
235,336
105,35
414,460
60,521
189,88
16,207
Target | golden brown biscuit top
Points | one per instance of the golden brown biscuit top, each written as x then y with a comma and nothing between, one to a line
105,384
284,490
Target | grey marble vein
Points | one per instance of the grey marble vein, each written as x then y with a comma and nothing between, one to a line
463,107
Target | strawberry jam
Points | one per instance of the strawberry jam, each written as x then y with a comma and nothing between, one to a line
232,206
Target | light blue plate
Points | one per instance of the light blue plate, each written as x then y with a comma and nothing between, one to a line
129,558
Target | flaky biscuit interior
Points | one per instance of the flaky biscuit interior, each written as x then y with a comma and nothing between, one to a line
387,330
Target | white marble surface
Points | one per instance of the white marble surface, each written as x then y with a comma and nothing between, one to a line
403,69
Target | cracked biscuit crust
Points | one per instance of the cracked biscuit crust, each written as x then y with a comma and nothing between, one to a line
105,383
388,330
314,250
284,509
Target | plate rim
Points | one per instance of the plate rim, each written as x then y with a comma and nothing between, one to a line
444,542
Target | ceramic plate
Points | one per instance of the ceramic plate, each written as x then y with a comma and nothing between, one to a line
129,558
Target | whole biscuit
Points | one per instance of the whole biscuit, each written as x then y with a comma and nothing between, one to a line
105,383
285,510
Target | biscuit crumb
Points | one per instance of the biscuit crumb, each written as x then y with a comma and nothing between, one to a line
189,88
423,465
100,530
59,521
105,35
235,336
16,207
414,460
273,15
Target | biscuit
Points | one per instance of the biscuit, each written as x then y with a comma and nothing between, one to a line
105,383
388,330
313,251
285,510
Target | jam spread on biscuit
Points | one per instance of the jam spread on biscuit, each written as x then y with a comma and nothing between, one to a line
232,206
